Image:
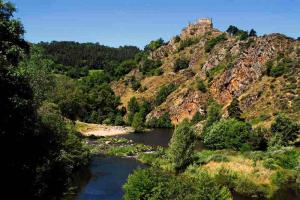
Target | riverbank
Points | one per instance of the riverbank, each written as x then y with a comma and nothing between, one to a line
99,130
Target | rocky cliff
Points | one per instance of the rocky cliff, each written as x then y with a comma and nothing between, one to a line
229,67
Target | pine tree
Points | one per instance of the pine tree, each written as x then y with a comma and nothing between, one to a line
234,110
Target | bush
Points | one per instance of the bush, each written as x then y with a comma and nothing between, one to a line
150,67
227,134
181,64
155,44
137,122
182,145
150,184
213,114
284,130
186,43
213,42
163,121
201,85
197,117
163,93
234,110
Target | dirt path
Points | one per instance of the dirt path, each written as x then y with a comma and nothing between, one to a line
102,130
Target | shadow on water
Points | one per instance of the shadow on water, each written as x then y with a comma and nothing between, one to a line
108,174
155,137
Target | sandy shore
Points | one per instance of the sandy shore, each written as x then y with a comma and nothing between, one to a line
102,130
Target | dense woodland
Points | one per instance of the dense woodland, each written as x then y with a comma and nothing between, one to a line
46,87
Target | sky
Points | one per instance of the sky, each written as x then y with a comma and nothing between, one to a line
137,22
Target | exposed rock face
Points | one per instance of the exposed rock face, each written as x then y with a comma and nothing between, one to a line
243,65
249,67
181,105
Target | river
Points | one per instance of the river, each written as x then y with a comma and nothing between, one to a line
106,175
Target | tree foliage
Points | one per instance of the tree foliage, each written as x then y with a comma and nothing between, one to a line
150,184
163,93
234,110
38,150
227,134
284,130
182,145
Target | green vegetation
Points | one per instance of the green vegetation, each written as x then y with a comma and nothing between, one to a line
213,114
73,58
150,67
39,147
234,110
213,42
163,93
241,34
198,117
201,85
212,73
158,185
155,44
182,145
227,134
180,64
186,43
163,121
284,130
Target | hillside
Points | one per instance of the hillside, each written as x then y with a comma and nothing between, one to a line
261,71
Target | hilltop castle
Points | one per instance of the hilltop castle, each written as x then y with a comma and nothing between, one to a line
198,28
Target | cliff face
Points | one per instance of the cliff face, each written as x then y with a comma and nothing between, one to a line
232,67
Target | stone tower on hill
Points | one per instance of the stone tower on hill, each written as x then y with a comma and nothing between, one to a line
200,27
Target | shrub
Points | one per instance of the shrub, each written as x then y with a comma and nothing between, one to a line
182,145
150,184
163,93
197,117
155,44
187,42
149,67
213,42
135,85
201,85
119,120
181,64
234,110
177,39
227,134
163,121
213,114
137,122
284,130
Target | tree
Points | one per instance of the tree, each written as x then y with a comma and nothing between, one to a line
163,92
227,134
182,145
232,30
213,114
37,148
181,64
155,44
201,85
197,117
234,110
252,33
133,105
137,122
284,130
150,184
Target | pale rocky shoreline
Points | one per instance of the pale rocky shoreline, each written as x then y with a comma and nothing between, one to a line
102,130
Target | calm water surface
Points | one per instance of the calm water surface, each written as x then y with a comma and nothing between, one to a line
108,174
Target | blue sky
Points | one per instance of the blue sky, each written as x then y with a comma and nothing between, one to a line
136,22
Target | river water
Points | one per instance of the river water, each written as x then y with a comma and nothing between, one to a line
106,175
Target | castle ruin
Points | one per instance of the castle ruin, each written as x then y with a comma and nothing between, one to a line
200,27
